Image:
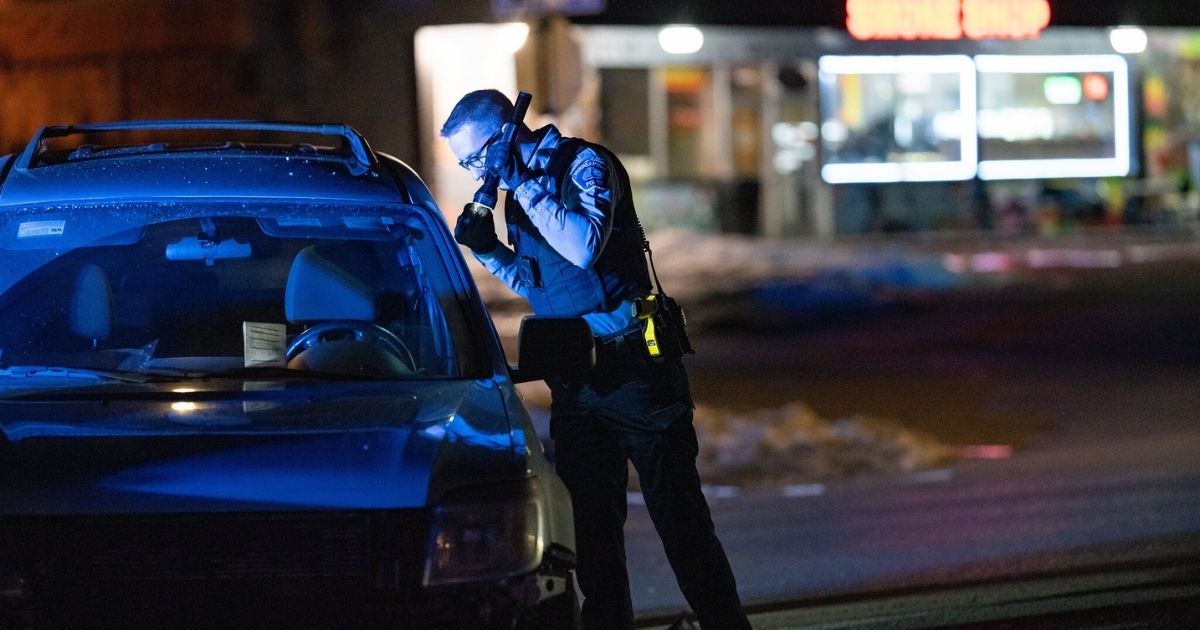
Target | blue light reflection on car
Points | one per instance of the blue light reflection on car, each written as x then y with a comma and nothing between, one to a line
140,407
458,429
323,470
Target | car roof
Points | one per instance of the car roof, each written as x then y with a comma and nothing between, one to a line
238,165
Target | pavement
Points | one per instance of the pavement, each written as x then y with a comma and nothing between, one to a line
748,292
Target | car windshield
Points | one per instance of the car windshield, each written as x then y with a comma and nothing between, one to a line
127,293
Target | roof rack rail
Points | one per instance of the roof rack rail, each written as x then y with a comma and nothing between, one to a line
364,158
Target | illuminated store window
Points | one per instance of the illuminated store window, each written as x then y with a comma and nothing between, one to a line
1053,116
901,118
689,110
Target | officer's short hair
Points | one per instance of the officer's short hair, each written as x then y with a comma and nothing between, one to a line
487,109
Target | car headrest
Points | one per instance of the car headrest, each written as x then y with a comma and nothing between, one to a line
91,308
327,283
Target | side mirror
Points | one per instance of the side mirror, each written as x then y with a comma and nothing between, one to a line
553,347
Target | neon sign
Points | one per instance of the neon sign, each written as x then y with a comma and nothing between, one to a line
946,19
1004,19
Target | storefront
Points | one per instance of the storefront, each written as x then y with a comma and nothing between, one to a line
811,131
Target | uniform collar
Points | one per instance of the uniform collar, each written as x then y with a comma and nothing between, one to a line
545,141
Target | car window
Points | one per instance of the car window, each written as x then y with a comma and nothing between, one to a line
218,290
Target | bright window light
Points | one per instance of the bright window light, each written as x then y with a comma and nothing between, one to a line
834,131
513,36
1128,40
680,40
1016,124
958,125
1062,90
1117,164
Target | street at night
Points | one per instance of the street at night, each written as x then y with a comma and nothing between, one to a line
380,314
1088,374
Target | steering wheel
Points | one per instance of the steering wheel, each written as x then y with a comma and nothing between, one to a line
366,332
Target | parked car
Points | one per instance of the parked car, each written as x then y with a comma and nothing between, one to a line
246,381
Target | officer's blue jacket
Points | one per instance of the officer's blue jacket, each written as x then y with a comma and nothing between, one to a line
576,244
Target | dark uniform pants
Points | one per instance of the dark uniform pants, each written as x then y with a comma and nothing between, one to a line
632,410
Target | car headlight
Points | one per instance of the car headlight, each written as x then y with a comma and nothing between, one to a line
486,537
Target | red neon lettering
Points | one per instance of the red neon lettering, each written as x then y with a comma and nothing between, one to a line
946,19
1005,19
865,19
942,21
903,19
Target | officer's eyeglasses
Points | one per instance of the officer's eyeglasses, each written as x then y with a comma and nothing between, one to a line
477,159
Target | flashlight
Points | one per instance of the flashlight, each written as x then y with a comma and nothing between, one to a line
488,193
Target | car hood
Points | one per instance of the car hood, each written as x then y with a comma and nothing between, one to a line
399,446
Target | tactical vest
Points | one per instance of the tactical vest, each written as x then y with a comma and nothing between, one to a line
559,287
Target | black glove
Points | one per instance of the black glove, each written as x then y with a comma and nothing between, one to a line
476,231
514,172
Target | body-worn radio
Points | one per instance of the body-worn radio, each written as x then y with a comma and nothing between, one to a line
664,326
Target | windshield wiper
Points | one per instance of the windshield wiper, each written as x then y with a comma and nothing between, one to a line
53,371
172,375
283,372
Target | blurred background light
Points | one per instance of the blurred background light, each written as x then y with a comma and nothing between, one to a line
1062,89
1128,40
1095,86
513,36
680,40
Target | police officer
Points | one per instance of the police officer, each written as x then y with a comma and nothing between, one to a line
577,251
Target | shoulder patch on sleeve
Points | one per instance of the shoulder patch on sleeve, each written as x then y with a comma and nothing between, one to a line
589,170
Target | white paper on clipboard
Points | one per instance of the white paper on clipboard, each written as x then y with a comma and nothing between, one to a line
265,344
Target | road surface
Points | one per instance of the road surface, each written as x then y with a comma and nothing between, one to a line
1090,375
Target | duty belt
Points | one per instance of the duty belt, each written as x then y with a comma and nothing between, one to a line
618,338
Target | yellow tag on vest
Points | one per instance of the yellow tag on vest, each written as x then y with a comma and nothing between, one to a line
648,332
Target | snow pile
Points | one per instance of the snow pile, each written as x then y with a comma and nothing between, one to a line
792,444
787,445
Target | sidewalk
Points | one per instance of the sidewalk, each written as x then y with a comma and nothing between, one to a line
714,273
701,266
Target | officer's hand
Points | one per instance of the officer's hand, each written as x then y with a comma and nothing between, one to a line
514,172
476,232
